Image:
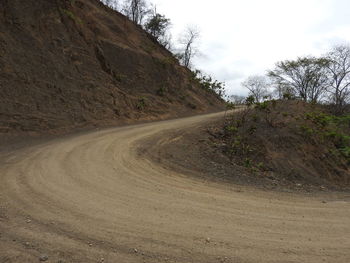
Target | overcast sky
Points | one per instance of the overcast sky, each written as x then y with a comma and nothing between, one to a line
247,37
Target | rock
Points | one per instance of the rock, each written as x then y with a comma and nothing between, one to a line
207,240
324,202
102,260
43,258
28,221
90,244
135,250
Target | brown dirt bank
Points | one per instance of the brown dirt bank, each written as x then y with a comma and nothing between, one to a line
67,65
200,151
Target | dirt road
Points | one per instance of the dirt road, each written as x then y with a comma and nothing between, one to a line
93,198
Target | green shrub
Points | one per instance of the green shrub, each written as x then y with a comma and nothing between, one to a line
288,96
71,15
162,91
345,151
308,131
141,103
250,100
248,163
231,128
230,106
119,77
252,130
263,106
192,106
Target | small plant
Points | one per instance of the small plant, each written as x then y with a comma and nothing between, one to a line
340,140
345,151
71,15
255,118
169,60
208,83
192,106
266,108
142,103
119,77
189,86
230,106
249,101
252,130
263,106
288,96
320,118
162,91
307,130
231,128
248,163
260,166
148,48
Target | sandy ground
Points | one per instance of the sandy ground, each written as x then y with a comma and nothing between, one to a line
95,198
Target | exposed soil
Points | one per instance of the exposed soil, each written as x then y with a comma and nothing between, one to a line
68,65
97,197
292,162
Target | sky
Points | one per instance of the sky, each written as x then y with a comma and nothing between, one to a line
240,38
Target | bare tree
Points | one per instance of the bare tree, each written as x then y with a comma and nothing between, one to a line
136,10
305,76
257,86
339,74
189,49
237,99
282,91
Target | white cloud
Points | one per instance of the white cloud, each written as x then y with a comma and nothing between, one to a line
246,37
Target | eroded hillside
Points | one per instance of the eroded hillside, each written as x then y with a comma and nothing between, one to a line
65,64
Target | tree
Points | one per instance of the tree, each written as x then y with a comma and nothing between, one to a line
158,25
319,81
237,99
189,49
208,83
305,76
282,91
136,10
339,74
257,86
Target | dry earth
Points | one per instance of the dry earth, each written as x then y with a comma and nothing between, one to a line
94,198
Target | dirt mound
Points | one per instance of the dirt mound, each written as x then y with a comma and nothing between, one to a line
287,145
290,141
66,64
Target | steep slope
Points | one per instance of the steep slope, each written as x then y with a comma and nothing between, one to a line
65,64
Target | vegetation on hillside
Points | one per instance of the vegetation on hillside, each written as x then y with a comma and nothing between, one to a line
89,66
145,14
290,139
295,122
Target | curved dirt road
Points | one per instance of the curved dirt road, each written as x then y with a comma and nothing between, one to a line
92,198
